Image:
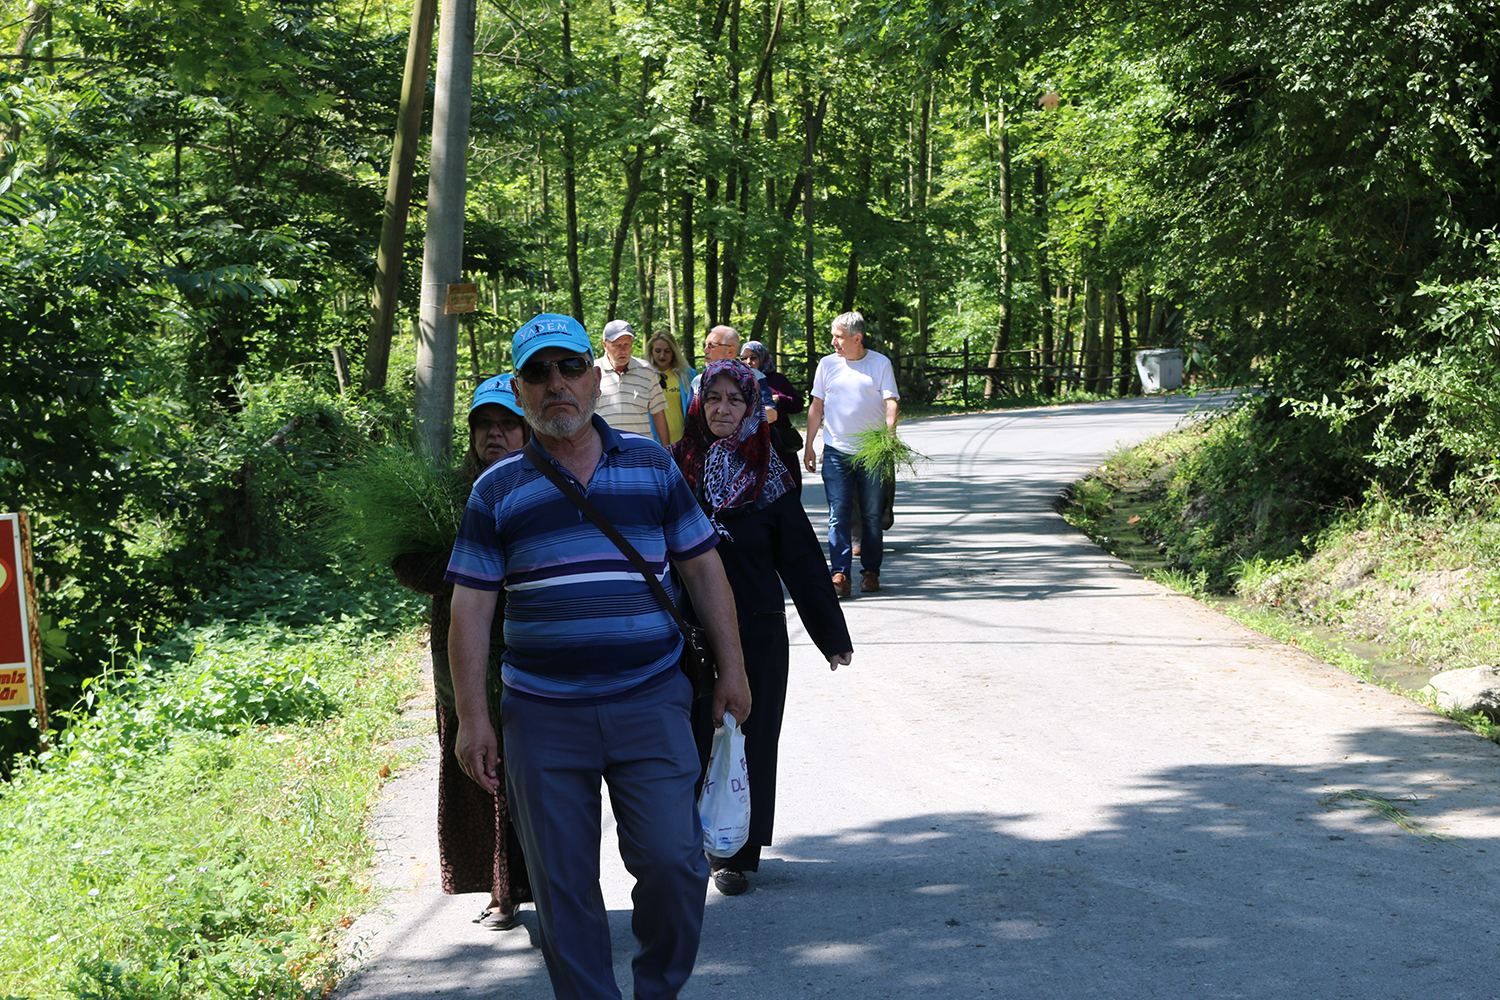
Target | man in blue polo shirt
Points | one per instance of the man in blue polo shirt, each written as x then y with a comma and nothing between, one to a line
592,686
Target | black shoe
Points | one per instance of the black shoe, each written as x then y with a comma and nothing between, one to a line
730,883
496,919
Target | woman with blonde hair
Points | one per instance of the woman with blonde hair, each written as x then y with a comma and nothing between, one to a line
676,381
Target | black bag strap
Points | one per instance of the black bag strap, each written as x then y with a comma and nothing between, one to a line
545,467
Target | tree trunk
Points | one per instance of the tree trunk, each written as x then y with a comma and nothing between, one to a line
1044,282
442,258
633,171
920,185
1107,346
38,16
1091,299
772,336
776,266
710,256
1069,370
672,307
397,193
1158,319
1002,331
627,214
643,289
1122,309
851,276
809,305
549,284
689,345
570,170
851,282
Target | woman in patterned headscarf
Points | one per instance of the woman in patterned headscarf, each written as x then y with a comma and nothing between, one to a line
766,540
784,436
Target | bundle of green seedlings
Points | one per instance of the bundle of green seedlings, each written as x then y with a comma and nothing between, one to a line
881,452
397,502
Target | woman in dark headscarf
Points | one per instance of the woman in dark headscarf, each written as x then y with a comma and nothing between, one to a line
478,850
766,540
784,436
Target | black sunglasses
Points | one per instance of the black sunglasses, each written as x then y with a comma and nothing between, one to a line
537,372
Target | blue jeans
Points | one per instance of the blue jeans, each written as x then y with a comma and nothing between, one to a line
555,755
841,481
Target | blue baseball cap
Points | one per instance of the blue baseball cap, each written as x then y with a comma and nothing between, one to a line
549,330
497,390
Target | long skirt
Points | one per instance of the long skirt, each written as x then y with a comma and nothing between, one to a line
764,641
478,850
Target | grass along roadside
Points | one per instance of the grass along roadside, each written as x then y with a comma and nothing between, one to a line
1423,589
202,831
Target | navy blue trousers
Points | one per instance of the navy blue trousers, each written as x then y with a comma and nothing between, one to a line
643,749
842,479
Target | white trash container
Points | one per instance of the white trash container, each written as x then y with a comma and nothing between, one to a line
1160,369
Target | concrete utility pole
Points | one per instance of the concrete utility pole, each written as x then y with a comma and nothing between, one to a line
398,192
442,257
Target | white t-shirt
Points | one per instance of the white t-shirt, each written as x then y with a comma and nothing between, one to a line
853,395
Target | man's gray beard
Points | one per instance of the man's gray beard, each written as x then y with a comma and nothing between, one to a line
563,425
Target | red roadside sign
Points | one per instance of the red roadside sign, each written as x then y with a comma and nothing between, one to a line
18,670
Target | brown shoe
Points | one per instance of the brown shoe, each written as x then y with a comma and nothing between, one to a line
841,584
856,548
869,582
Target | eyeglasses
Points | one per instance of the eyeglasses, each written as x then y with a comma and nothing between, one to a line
537,372
721,343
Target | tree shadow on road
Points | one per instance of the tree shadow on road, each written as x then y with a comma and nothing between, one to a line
1252,880
1255,879
985,539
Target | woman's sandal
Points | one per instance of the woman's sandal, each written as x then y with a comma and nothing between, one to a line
496,919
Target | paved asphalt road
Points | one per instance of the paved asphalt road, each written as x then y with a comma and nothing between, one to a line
1043,777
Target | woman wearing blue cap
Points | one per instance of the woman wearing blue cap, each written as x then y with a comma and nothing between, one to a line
477,846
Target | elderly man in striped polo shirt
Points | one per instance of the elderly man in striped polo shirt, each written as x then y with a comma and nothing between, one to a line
631,397
592,685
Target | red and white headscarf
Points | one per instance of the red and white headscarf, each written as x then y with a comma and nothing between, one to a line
734,471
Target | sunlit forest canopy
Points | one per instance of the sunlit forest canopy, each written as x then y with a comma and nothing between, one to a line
1300,197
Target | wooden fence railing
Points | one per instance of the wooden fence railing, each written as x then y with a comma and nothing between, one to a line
966,372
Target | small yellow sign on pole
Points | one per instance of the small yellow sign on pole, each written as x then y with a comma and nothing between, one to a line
20,667
461,299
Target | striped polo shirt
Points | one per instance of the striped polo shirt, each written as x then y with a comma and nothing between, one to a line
580,623
627,401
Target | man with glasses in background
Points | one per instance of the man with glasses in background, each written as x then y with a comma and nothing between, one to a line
592,684
723,344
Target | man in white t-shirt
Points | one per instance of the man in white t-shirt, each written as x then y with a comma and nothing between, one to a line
854,391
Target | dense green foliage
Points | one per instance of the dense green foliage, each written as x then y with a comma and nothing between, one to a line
1305,197
1302,196
394,502
199,828
1224,492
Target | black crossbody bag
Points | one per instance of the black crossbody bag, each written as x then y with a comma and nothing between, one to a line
698,661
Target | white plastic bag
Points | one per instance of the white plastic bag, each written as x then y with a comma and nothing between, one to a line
724,805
